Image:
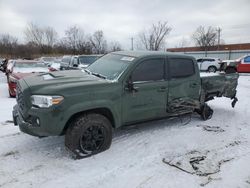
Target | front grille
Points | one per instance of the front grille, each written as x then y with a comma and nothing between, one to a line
20,98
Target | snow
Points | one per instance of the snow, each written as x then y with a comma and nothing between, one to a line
135,158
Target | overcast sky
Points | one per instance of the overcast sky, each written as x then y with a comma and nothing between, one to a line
122,19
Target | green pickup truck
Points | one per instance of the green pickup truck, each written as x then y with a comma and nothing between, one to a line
120,88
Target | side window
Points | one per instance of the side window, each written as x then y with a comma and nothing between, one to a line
207,60
247,59
199,60
180,67
149,70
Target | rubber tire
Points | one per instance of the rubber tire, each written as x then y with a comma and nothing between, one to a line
212,69
206,112
76,128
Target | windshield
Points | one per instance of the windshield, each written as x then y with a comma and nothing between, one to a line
110,66
87,60
29,67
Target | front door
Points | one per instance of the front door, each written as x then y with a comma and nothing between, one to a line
147,99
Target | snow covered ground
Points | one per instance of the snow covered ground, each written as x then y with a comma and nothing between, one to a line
167,153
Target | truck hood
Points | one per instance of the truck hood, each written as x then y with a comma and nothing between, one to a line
62,79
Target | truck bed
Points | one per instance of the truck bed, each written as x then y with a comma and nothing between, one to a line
218,85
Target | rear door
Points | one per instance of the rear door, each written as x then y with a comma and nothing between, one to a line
148,100
184,85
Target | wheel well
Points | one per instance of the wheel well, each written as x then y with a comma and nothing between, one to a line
212,66
103,111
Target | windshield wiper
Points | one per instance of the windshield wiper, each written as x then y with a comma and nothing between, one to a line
87,71
99,75
95,74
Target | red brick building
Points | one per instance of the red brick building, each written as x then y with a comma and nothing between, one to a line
225,47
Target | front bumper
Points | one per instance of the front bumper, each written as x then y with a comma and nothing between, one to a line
40,122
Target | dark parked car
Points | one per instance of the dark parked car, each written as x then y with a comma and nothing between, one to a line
118,89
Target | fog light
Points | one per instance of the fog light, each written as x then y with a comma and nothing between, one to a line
37,121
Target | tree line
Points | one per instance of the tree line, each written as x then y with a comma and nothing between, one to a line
46,41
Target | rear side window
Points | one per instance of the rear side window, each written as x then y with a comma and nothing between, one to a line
180,67
149,70
247,59
208,60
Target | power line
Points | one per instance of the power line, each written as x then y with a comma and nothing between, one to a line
219,31
132,43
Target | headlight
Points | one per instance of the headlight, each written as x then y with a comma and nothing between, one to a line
43,101
12,79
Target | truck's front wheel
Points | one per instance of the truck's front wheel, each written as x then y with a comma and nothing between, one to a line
88,135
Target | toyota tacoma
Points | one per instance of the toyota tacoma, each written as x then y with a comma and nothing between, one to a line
119,89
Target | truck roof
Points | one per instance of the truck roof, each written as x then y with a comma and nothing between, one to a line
140,54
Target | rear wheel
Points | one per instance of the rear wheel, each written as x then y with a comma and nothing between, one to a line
212,69
88,134
206,112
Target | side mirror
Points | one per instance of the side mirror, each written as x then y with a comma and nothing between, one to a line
130,86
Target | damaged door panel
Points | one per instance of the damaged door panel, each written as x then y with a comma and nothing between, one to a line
184,86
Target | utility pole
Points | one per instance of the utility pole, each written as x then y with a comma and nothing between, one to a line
219,31
132,43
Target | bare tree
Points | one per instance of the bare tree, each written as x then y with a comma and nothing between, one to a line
205,38
98,42
8,44
50,36
183,43
34,34
43,37
115,46
154,37
75,38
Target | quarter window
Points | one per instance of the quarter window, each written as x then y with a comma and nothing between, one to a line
149,70
247,59
180,67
